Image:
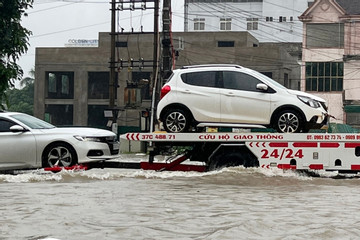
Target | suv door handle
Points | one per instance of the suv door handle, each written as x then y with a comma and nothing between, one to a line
187,91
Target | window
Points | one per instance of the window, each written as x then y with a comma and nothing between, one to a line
240,81
199,24
59,115
286,80
268,74
60,85
324,76
204,79
325,35
98,85
225,24
282,19
5,125
96,117
121,44
226,43
269,19
252,23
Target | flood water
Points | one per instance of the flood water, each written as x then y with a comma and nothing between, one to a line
233,203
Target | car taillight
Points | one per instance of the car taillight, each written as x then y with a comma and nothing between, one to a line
165,90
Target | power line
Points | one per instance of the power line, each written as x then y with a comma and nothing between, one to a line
77,28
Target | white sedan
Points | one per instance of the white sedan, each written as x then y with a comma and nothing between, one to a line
27,142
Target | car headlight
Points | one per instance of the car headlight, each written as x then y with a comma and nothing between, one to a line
309,101
87,139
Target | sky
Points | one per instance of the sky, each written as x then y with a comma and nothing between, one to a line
54,22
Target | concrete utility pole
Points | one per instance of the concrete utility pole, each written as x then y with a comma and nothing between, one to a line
186,16
112,80
155,92
166,41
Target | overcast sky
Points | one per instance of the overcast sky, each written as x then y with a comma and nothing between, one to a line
53,23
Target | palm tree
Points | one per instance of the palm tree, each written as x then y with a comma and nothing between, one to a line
28,80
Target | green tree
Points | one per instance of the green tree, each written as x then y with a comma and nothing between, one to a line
13,42
22,100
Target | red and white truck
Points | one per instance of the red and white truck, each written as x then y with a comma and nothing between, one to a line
212,150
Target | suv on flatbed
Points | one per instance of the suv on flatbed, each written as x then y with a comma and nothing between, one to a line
234,96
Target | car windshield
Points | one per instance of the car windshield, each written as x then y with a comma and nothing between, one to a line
32,122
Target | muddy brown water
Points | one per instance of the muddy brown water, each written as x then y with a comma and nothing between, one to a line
233,203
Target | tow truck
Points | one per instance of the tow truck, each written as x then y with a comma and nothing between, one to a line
211,150
206,151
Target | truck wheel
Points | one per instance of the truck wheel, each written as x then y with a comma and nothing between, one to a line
288,121
176,120
232,159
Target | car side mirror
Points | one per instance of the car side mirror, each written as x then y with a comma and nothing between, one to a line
17,128
262,87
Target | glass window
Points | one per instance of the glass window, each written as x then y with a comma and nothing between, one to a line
59,115
60,85
5,125
325,35
286,80
252,23
98,85
96,117
282,19
32,122
225,24
324,76
268,74
205,79
226,44
240,81
51,83
199,24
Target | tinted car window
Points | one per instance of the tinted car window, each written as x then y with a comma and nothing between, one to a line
239,81
205,79
5,125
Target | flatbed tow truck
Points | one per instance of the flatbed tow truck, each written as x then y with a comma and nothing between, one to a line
213,150
206,151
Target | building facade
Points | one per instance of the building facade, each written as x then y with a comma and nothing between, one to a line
331,56
267,20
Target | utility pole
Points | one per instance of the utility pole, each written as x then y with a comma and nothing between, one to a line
186,16
166,41
120,5
112,80
155,97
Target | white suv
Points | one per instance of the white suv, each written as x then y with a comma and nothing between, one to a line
234,96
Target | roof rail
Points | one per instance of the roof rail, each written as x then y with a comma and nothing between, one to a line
211,65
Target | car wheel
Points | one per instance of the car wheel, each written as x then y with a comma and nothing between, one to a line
176,120
288,121
59,154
